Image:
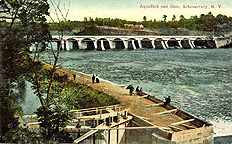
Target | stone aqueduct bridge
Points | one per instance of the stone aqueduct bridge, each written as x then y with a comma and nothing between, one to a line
134,42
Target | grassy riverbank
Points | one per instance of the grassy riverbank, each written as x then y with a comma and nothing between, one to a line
65,91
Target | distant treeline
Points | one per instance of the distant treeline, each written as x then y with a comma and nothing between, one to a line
204,22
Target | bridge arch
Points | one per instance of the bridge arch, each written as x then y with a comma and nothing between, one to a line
173,43
56,43
118,43
146,43
73,42
199,43
102,44
158,43
185,42
87,43
133,43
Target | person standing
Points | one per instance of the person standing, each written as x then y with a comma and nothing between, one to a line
137,89
93,78
131,88
74,77
97,79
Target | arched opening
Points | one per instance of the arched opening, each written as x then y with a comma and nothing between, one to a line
103,44
210,43
185,43
133,44
173,43
87,44
73,44
146,43
55,44
199,43
158,43
118,44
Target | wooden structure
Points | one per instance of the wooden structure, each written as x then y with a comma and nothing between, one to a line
112,121
103,120
174,125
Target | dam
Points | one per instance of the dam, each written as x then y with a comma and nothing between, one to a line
135,42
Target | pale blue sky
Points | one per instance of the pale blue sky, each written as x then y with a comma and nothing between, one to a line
130,9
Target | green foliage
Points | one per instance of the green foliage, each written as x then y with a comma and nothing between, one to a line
68,94
77,96
15,66
21,134
52,123
26,23
23,23
204,22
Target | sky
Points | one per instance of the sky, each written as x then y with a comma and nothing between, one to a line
135,10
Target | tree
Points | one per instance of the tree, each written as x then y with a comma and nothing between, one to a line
51,116
222,19
210,22
182,21
144,18
23,25
165,17
26,22
173,17
182,17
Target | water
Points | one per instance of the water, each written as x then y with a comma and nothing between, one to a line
199,81
31,101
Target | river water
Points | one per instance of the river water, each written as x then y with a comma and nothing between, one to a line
199,81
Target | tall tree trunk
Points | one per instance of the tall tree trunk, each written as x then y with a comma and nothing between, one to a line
4,103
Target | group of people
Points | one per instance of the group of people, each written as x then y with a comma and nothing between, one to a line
95,78
138,90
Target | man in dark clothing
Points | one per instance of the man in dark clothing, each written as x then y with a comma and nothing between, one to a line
74,77
137,89
131,88
93,78
167,101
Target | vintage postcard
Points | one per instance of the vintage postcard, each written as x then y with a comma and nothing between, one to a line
116,71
